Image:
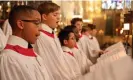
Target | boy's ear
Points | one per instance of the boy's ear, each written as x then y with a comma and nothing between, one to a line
44,17
65,42
20,24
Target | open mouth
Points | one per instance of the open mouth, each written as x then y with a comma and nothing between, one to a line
37,35
57,22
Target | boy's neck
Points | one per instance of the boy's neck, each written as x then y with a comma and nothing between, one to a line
68,47
48,25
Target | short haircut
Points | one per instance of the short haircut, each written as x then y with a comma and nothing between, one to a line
19,12
48,7
70,27
74,20
64,34
88,27
91,26
74,29
84,29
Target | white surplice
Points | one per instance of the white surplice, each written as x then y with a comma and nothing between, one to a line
122,69
16,66
71,61
7,28
50,50
83,44
94,45
75,66
82,60
90,47
114,65
3,40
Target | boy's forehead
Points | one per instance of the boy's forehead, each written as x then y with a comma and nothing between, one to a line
57,11
79,22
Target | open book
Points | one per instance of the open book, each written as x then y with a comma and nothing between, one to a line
113,53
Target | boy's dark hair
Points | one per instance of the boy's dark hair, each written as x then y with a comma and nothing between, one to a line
84,29
70,27
64,34
88,27
74,20
19,12
91,26
48,7
74,29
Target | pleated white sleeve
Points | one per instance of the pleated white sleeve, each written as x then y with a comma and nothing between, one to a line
7,29
3,40
18,67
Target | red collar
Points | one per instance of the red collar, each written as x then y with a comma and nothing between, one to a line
69,53
21,50
47,33
76,46
80,36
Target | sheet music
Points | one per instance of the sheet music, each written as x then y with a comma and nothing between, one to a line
113,65
113,53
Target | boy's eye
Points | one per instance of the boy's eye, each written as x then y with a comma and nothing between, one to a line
73,38
55,14
37,23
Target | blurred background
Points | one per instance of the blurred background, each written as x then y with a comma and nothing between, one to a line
113,18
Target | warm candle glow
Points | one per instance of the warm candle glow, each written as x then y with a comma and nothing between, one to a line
116,30
0,7
126,26
101,31
75,16
121,31
87,21
8,4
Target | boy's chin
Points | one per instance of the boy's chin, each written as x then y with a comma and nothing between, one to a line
53,27
71,47
33,42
